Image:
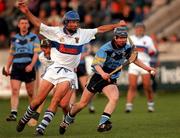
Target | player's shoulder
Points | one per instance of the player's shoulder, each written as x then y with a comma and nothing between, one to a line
127,46
32,34
15,37
147,37
106,46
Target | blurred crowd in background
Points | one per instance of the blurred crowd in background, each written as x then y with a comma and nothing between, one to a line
92,13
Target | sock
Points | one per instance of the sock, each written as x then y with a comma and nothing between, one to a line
14,113
104,117
48,116
129,106
28,115
69,118
150,104
36,116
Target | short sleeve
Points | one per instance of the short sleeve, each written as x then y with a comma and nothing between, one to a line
88,34
12,46
151,45
36,44
48,31
100,58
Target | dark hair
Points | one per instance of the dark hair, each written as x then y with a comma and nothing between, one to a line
45,43
22,18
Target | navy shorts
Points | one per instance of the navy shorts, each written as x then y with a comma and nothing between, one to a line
18,73
97,83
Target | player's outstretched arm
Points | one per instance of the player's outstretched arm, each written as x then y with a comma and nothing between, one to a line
105,28
22,6
151,70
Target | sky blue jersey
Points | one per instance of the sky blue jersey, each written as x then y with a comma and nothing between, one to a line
109,57
23,47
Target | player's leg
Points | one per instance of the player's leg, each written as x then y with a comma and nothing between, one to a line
83,80
30,90
146,78
31,94
34,120
112,93
15,87
131,92
65,102
61,90
77,107
44,89
73,98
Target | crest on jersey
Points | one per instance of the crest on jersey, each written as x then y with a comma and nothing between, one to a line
144,42
61,39
17,41
77,39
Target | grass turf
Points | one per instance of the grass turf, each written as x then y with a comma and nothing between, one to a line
163,123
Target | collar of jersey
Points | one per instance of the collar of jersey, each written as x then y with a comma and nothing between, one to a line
66,32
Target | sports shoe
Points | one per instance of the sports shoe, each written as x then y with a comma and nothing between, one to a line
105,126
62,128
20,126
150,109
11,117
150,106
39,132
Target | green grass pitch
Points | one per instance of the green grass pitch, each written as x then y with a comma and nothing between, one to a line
163,123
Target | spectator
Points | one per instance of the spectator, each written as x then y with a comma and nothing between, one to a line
2,6
138,17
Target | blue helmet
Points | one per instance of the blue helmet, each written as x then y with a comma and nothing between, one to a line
71,16
121,31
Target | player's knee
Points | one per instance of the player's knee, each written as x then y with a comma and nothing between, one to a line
132,87
147,87
64,105
15,91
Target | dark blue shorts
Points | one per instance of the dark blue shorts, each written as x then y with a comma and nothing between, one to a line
97,83
18,73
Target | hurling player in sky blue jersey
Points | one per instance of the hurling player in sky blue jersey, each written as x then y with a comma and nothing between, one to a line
23,55
110,56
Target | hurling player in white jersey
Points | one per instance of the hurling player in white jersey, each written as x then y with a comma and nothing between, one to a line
145,48
45,59
67,42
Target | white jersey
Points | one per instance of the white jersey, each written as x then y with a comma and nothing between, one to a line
66,49
144,46
45,61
